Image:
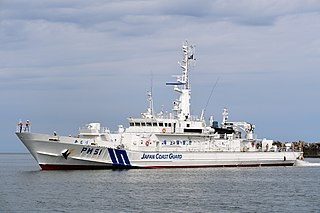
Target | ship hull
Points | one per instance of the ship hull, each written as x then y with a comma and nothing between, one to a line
53,153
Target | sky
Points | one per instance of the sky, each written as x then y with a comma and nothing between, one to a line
67,63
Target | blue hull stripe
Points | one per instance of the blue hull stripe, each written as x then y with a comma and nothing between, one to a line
122,155
112,156
119,157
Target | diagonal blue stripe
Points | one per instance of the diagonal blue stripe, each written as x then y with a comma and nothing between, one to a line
112,156
122,156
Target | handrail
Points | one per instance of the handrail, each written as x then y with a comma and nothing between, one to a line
23,129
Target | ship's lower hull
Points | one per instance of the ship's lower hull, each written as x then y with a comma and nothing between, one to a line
82,167
64,154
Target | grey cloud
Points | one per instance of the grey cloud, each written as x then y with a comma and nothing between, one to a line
262,12
86,13
95,56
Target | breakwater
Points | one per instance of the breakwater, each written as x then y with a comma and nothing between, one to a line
310,150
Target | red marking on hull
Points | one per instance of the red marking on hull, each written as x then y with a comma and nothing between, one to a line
87,167
71,167
219,166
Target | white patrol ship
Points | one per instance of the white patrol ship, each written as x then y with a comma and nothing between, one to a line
174,140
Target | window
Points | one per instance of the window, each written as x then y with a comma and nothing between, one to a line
188,125
131,124
148,123
169,124
154,124
193,130
137,124
143,124
160,124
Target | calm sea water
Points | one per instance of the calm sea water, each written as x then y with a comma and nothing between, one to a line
25,188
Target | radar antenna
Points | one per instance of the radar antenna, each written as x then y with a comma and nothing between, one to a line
182,85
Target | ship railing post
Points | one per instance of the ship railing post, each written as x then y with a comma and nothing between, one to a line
23,129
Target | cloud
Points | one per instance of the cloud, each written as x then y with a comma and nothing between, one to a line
264,12
93,59
97,13
68,35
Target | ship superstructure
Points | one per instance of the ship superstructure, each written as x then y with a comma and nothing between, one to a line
162,140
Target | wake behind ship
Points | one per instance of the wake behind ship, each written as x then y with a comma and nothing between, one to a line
163,140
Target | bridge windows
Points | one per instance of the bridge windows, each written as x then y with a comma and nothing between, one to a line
151,124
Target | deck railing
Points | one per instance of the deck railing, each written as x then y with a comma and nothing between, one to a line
23,129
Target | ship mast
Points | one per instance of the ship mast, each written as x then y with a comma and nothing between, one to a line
149,113
182,106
